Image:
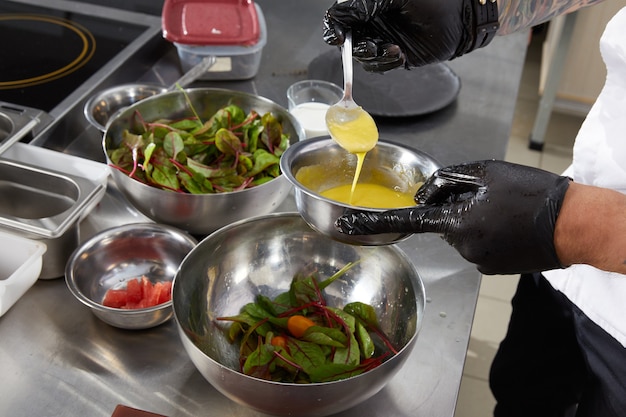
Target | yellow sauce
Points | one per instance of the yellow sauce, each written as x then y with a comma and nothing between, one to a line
357,135
370,195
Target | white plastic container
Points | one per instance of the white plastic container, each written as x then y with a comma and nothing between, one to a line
238,56
20,265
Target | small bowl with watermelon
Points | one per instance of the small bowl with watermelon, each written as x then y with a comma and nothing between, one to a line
124,274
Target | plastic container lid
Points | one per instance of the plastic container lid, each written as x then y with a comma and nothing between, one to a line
210,22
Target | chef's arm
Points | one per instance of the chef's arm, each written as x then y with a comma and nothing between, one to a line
387,34
516,15
591,228
509,219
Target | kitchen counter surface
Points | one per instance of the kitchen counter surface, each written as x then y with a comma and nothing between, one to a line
56,358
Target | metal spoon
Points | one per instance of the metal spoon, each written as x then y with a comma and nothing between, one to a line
122,103
194,73
349,125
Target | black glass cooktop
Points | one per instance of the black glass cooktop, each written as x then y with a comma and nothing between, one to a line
47,53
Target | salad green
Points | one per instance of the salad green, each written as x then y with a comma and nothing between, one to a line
335,343
231,151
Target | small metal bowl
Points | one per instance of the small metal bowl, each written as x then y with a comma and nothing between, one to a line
118,254
260,256
102,106
390,164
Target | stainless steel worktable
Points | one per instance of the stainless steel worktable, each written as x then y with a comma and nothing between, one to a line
57,359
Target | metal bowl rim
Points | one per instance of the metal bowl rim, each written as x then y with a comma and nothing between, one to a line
69,270
299,187
89,104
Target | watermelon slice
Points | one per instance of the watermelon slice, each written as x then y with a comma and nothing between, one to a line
139,293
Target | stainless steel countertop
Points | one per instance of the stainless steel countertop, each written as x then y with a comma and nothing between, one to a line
57,359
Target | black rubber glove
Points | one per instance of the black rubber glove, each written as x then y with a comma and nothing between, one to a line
498,215
389,33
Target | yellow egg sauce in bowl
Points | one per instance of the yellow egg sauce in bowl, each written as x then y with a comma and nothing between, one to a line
322,173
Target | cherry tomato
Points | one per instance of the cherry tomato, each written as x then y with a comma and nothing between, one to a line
279,341
297,325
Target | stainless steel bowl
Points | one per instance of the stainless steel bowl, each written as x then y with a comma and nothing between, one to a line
119,254
200,214
391,164
104,105
260,256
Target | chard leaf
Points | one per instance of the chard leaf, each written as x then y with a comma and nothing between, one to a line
306,354
207,171
245,165
251,137
304,290
227,142
173,144
196,184
186,124
366,344
165,175
328,372
262,160
363,312
260,362
272,132
350,355
347,320
131,140
325,336
147,154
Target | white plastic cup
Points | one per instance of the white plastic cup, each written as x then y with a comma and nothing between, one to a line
308,101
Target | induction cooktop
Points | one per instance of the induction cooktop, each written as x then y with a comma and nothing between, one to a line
56,51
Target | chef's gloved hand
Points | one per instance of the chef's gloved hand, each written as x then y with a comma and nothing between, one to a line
497,215
389,33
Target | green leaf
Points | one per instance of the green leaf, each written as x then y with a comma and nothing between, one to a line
173,144
251,136
328,372
325,336
281,303
304,290
131,140
260,362
363,312
227,142
306,354
337,274
245,165
350,355
147,154
186,124
366,343
262,160
272,131
165,175
347,320
208,171
196,184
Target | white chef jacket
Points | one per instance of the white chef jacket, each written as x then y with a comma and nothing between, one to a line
600,160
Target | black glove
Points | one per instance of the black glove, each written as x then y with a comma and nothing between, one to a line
389,33
498,215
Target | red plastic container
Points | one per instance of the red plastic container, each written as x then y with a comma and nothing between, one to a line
233,31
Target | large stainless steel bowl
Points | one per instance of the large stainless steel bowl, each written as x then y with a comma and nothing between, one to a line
260,256
199,214
389,164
